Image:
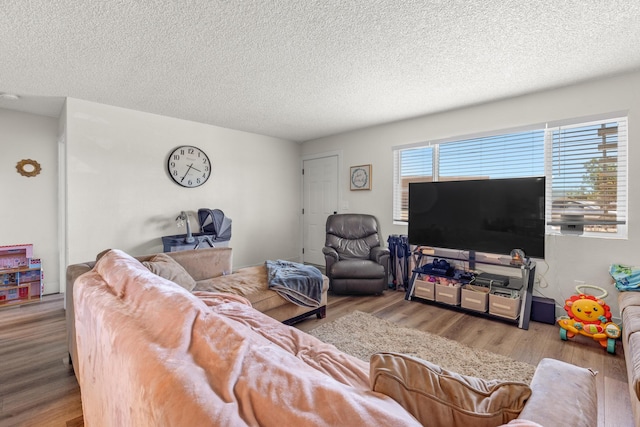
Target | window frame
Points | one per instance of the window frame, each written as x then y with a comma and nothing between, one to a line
622,193
547,128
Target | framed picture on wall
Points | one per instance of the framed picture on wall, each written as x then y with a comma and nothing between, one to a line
360,177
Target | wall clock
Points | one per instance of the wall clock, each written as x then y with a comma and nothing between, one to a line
28,167
360,177
189,166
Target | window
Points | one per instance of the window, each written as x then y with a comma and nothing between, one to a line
410,165
585,166
487,157
586,178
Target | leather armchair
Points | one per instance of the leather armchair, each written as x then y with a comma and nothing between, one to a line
356,262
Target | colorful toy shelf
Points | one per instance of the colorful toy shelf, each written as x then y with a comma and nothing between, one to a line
20,275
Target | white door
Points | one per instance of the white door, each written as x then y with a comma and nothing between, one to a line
320,188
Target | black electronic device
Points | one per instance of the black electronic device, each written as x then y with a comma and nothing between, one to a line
489,215
490,280
466,276
543,310
510,290
440,267
505,293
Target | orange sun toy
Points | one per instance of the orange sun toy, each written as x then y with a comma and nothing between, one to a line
591,317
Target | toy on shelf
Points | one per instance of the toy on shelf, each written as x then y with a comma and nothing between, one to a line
15,256
589,316
20,275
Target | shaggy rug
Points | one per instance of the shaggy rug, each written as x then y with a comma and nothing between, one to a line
361,334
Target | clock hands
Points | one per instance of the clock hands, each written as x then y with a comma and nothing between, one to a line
187,172
188,166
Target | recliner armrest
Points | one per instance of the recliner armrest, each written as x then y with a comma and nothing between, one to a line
330,257
330,252
378,253
381,256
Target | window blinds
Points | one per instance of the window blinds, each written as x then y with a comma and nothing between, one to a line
512,155
585,165
586,168
410,165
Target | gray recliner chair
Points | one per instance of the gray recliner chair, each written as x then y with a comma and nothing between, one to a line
356,263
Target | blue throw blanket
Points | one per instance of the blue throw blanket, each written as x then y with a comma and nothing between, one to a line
627,278
297,283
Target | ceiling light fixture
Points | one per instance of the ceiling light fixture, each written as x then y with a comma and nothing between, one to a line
9,96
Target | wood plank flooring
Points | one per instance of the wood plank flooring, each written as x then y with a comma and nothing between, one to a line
38,387
530,346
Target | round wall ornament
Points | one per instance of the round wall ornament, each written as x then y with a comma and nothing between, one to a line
360,177
188,166
28,167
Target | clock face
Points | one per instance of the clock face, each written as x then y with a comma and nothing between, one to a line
189,166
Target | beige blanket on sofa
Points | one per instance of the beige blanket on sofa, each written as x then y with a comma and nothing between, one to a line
152,353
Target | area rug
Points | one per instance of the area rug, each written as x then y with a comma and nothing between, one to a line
361,334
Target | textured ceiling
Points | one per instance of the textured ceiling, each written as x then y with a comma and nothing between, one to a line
303,69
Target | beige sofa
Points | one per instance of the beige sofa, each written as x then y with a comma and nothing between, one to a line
630,312
211,270
150,352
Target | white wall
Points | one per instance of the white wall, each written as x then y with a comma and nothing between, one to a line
29,204
568,258
119,194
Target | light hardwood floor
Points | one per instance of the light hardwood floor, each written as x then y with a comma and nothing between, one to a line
38,387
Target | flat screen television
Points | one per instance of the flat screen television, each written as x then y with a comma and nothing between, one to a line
490,215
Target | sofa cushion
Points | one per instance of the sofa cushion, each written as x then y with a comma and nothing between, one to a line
555,379
186,360
522,423
101,254
632,354
166,267
436,396
357,269
249,282
631,321
204,263
628,299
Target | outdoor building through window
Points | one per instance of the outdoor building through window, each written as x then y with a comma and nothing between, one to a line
587,163
585,166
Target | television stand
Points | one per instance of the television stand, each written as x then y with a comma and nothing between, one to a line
456,289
